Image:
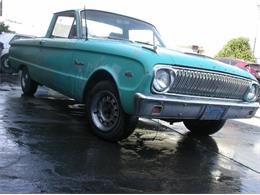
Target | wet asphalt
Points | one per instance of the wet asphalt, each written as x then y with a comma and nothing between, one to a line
46,148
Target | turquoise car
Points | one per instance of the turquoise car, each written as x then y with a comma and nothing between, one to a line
119,67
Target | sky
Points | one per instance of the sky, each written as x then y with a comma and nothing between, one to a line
207,23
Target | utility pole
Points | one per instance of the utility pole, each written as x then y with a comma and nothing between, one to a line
257,29
1,7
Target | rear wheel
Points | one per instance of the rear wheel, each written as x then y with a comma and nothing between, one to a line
28,85
105,115
204,127
5,66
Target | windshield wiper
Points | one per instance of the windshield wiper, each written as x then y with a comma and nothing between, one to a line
108,37
96,36
118,38
154,47
145,43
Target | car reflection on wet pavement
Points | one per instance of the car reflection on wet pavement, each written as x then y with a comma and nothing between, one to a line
46,148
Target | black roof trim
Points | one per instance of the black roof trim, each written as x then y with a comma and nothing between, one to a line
79,10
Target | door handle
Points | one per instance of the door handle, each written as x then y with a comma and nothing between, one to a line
42,43
78,63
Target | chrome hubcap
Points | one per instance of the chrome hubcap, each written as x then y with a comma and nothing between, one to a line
5,64
105,110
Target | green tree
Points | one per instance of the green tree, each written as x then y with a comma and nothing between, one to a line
4,27
238,48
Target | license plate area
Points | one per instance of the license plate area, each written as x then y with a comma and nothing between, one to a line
213,113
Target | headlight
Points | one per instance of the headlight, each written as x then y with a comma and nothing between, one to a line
163,79
252,93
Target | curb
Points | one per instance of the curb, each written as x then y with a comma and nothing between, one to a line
257,115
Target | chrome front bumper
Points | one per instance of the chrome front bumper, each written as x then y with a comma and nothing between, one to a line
185,107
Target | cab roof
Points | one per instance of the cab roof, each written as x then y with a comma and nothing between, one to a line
102,12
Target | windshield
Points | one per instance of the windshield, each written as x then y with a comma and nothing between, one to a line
113,26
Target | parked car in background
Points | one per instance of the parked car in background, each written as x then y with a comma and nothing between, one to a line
5,40
251,67
120,68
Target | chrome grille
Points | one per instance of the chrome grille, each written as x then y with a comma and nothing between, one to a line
210,84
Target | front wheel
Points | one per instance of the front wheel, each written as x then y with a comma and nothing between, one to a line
204,127
105,115
28,85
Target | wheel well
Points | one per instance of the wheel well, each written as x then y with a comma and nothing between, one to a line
21,67
4,56
100,75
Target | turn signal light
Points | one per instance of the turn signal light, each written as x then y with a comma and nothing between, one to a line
157,110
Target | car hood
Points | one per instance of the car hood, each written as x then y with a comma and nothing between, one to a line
149,57
191,60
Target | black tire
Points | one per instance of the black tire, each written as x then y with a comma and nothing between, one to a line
28,85
6,68
204,127
105,116
1,67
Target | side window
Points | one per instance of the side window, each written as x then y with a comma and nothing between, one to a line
14,38
65,27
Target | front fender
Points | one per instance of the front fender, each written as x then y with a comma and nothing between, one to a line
129,77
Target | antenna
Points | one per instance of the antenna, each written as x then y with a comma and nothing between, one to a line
86,27
154,45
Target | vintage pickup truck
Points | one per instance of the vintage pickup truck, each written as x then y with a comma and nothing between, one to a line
119,67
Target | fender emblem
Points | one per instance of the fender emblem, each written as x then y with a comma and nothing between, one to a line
129,74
